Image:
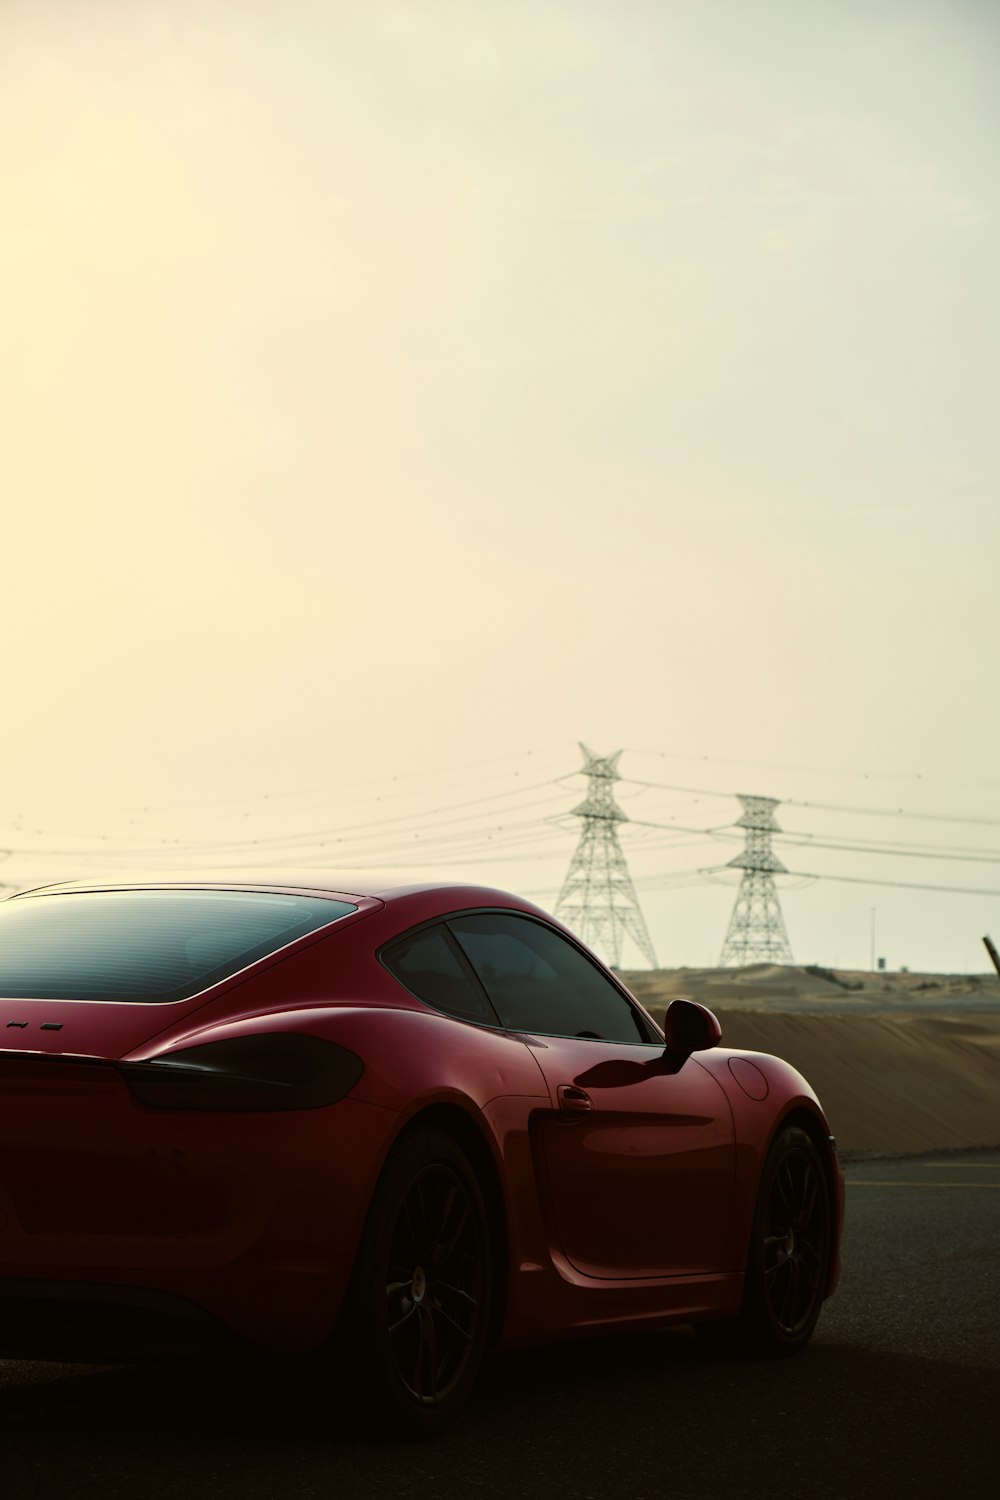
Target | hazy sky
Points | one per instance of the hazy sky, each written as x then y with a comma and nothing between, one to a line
398,386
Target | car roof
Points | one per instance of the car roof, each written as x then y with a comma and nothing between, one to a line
367,885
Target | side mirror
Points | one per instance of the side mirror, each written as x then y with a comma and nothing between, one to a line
688,1027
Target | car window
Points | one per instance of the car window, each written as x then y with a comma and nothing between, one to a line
539,982
431,965
146,945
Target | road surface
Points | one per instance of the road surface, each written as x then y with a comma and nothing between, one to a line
898,1395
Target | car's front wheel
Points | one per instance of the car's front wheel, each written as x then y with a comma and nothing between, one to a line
788,1260
418,1311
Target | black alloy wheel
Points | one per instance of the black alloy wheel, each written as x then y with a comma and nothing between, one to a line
419,1307
795,1247
436,1282
788,1260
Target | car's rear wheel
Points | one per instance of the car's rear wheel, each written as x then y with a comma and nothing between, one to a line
788,1260
418,1311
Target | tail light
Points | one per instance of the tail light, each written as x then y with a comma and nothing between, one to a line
268,1071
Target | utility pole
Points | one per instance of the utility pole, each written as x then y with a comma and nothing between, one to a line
598,900
994,955
756,927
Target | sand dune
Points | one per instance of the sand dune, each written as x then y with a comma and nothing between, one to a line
909,1068
810,988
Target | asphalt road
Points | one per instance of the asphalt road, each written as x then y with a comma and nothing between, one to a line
898,1395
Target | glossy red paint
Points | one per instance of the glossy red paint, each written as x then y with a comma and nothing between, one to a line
622,1180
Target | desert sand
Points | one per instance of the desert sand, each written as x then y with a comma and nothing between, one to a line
901,1062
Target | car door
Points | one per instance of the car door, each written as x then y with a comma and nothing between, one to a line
638,1152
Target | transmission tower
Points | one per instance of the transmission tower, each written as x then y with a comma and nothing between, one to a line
598,899
756,927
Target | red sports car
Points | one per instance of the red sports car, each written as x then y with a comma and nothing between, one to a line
393,1126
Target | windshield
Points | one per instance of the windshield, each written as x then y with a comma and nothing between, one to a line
150,946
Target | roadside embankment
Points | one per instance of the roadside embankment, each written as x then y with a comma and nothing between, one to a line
892,1081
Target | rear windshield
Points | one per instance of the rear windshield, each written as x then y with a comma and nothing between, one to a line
145,945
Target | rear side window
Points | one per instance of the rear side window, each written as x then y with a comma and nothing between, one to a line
145,945
540,983
431,965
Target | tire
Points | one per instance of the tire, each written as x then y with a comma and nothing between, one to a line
788,1260
417,1316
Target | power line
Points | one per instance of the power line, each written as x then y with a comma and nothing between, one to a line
525,834
874,812
423,817
895,812
328,791
799,767
893,851
905,885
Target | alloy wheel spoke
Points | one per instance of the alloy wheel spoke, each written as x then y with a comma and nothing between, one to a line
456,1291
394,1327
788,1300
449,1204
809,1201
407,1216
811,1276
425,1240
442,1255
426,1354
463,1335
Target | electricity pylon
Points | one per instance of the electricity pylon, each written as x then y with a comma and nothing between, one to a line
598,900
756,927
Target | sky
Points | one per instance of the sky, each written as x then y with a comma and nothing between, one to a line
395,395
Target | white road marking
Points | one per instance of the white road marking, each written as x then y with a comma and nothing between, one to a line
971,1165
897,1182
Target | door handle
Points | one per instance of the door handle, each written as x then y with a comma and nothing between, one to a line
573,1100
